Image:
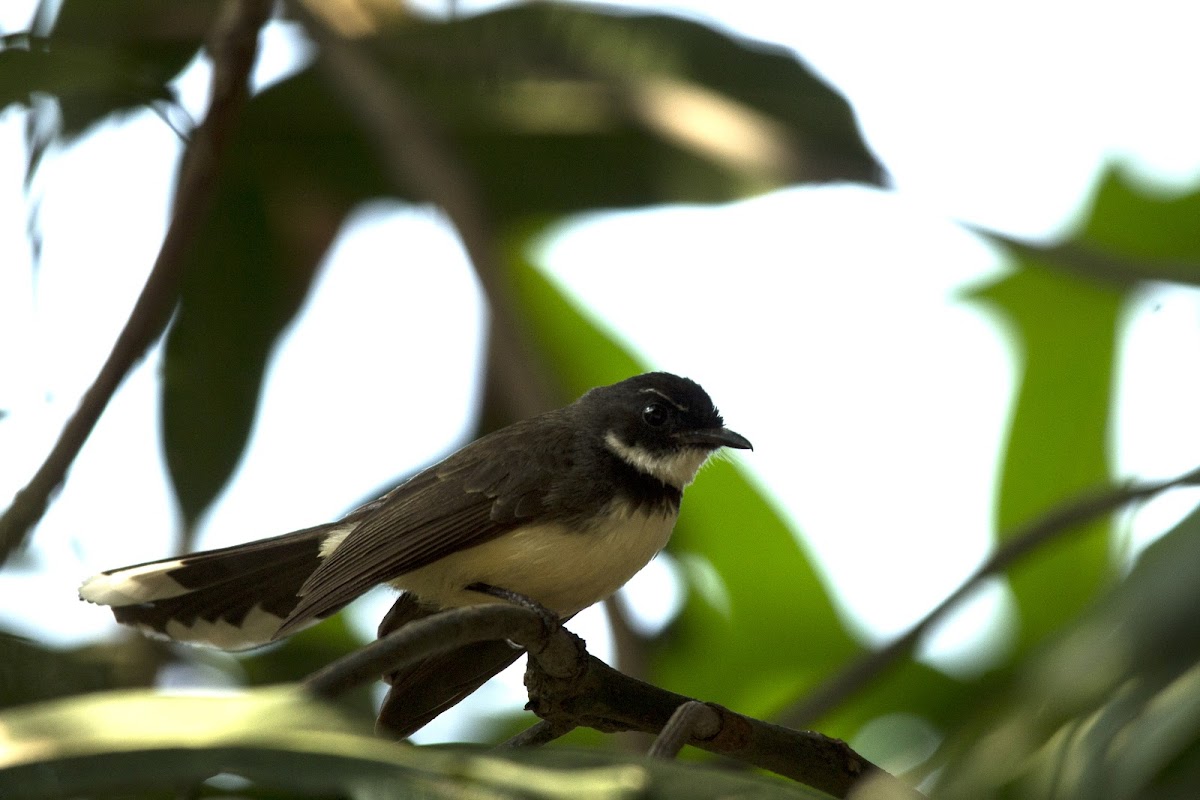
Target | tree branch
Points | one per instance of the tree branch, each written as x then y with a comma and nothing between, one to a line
569,688
1056,523
423,638
604,699
234,49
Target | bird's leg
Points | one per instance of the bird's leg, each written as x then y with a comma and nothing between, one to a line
549,619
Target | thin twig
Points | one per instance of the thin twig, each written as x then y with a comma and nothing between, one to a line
692,720
423,638
418,158
234,49
536,735
1056,523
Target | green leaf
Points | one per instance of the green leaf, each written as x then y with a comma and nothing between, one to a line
232,307
98,59
1131,234
31,672
146,42
87,81
140,741
560,108
1111,708
296,170
1133,221
1065,329
908,688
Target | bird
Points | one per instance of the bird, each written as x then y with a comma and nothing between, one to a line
558,510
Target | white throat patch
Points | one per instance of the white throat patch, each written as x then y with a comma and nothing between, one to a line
675,469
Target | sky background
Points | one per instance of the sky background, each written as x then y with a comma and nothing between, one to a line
828,323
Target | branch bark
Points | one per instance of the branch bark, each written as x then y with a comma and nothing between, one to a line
427,637
1056,523
234,49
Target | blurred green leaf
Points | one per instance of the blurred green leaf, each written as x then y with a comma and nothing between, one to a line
1132,233
1065,329
129,742
97,59
561,108
146,42
296,170
30,672
680,780
83,79
1112,708
140,740
908,688
232,306
1148,225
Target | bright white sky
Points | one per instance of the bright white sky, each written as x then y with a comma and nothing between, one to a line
824,322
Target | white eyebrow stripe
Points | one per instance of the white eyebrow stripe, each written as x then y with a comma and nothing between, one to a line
664,397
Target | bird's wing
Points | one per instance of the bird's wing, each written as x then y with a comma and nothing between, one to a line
474,495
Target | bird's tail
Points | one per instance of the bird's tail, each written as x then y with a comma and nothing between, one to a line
234,598
421,691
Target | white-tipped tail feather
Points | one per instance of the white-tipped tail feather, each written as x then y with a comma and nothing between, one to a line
257,627
235,598
132,585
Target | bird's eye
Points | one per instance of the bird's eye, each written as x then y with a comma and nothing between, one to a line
654,414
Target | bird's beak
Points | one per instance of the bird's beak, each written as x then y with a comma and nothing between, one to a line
714,438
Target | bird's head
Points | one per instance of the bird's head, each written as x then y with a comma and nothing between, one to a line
661,424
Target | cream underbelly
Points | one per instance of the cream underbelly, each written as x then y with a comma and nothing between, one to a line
566,571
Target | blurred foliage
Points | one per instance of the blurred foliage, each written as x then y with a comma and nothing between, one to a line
554,110
32,672
1066,329
1112,708
114,744
97,60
